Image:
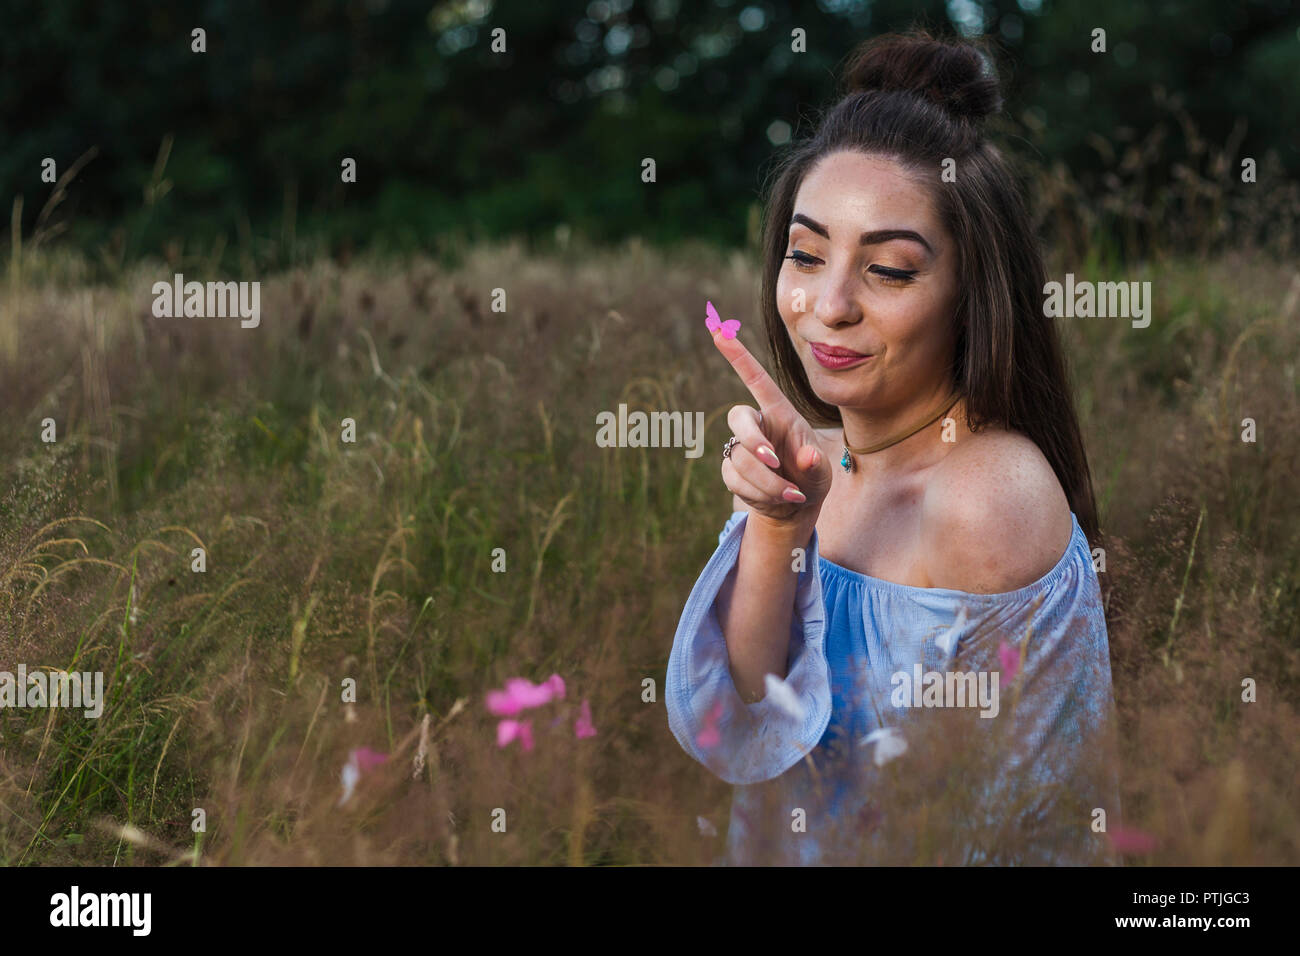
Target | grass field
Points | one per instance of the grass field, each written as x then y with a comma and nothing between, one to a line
475,430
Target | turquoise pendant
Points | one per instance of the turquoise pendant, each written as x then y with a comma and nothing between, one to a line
846,462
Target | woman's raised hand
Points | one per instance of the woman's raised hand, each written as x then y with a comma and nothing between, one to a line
776,466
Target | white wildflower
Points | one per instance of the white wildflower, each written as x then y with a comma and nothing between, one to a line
889,744
783,696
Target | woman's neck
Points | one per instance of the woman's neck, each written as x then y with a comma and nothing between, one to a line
867,427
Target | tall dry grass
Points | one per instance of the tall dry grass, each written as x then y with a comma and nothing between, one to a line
475,431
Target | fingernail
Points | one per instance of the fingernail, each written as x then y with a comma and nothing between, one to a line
768,455
794,494
816,457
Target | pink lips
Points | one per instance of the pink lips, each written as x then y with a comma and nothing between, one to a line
834,357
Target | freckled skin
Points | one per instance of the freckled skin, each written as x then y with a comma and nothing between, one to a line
907,326
984,513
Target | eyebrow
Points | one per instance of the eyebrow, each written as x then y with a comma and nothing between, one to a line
871,238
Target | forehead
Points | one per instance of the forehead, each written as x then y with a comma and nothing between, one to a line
850,192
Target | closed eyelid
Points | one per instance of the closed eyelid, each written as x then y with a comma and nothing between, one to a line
903,270
867,253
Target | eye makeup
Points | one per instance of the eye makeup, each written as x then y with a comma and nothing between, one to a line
889,275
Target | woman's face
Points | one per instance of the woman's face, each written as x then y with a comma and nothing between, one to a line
878,274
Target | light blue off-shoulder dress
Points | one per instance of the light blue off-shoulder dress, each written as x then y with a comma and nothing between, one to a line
851,634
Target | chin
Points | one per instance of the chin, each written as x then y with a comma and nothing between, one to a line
833,387
838,394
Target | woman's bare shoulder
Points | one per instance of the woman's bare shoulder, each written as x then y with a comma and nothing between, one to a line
995,517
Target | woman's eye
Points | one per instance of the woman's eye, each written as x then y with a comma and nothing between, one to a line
893,276
803,261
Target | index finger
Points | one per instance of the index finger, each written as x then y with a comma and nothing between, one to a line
755,377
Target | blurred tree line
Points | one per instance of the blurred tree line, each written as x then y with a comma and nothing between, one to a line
242,145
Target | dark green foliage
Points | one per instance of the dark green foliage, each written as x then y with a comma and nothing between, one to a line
454,140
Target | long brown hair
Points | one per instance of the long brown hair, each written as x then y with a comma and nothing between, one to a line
919,101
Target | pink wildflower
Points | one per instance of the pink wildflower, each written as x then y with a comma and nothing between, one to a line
360,761
367,759
1131,840
583,727
1009,656
520,695
521,730
710,736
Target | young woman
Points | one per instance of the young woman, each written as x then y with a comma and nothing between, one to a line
939,521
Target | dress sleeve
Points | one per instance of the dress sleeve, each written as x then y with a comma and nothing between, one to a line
746,743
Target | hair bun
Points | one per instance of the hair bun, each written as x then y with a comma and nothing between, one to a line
950,74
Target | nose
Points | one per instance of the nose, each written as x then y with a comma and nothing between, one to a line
837,305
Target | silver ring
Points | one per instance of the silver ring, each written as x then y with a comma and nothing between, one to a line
726,449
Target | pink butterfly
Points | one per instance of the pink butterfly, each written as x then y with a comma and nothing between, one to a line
713,323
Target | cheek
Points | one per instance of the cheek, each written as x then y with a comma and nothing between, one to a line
918,327
785,291
796,298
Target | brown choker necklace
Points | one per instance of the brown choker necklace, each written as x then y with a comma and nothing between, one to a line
846,461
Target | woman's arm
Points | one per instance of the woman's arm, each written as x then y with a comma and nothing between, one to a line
756,603
746,743
778,474
771,620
